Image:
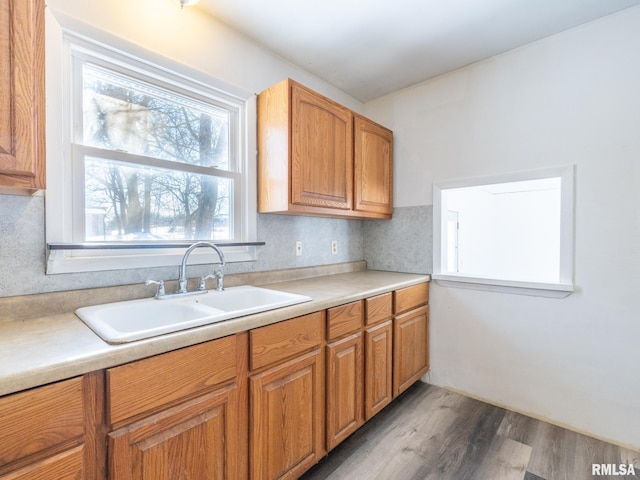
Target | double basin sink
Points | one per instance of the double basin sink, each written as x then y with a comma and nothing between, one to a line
133,320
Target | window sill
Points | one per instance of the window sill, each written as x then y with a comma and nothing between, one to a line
76,258
536,289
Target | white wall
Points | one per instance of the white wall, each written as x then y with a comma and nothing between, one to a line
194,39
573,98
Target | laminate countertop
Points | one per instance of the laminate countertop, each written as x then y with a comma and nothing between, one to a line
47,348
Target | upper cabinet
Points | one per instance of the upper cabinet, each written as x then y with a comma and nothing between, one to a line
373,167
22,148
317,157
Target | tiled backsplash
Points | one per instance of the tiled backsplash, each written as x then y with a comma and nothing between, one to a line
402,244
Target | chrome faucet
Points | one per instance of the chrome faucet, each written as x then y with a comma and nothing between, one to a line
182,280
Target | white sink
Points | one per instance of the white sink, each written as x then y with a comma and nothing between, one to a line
132,320
247,299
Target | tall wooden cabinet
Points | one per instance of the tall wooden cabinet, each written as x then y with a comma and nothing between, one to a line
317,157
22,98
286,401
181,414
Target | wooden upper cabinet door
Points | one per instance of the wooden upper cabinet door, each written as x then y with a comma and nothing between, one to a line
321,151
22,149
373,167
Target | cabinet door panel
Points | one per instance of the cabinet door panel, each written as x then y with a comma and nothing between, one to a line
322,158
373,167
411,348
22,102
287,418
344,389
378,368
197,439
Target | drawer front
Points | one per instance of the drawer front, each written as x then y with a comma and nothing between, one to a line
379,308
283,340
148,384
344,320
411,297
41,418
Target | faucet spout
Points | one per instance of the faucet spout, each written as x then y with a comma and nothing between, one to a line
182,280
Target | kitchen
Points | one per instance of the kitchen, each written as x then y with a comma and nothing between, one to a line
570,98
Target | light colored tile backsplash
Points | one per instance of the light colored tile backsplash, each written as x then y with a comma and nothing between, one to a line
397,245
403,244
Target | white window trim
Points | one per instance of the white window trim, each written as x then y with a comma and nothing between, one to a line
59,220
565,285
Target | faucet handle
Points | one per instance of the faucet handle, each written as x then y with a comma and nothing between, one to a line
217,274
203,280
220,276
160,292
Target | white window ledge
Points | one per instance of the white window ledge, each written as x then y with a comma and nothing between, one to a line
94,260
536,289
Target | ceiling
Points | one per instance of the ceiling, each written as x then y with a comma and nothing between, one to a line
369,48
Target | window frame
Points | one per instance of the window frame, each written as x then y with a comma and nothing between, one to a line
65,175
560,289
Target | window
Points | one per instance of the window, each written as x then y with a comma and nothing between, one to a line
512,233
151,155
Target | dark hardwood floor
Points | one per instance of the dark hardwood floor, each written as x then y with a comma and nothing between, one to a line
431,433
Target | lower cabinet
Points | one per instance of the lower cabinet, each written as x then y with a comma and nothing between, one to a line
180,415
378,347
286,398
345,374
344,388
262,405
194,440
410,336
51,432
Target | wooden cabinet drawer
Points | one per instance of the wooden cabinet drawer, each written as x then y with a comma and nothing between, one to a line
148,384
284,340
379,308
66,465
41,418
411,297
344,320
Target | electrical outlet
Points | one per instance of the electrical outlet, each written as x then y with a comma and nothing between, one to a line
334,247
298,248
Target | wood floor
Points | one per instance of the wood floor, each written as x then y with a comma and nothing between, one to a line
431,433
